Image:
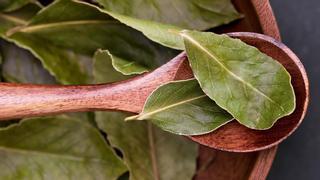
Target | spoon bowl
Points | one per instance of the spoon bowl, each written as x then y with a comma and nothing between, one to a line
27,100
234,137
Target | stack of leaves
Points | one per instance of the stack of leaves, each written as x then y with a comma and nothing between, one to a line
75,42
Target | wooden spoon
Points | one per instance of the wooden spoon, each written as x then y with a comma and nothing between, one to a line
27,100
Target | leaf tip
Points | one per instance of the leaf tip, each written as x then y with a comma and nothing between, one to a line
183,32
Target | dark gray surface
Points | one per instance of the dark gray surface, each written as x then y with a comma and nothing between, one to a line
298,157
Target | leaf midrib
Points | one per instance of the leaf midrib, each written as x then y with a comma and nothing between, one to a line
42,153
146,115
39,27
229,71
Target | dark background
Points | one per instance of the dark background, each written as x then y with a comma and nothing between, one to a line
298,157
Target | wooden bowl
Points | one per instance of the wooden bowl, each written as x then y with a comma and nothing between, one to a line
215,164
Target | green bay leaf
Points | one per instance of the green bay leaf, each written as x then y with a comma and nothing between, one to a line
162,20
103,69
114,65
164,34
56,148
188,14
250,85
182,108
70,35
65,65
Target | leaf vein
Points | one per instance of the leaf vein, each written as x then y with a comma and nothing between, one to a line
227,70
65,156
144,116
33,28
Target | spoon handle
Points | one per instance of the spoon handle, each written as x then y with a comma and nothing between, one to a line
27,100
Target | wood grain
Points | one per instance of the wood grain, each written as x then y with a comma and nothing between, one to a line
221,165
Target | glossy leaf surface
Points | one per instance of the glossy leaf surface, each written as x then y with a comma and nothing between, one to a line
189,14
113,65
56,148
161,20
103,70
250,85
165,34
182,108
